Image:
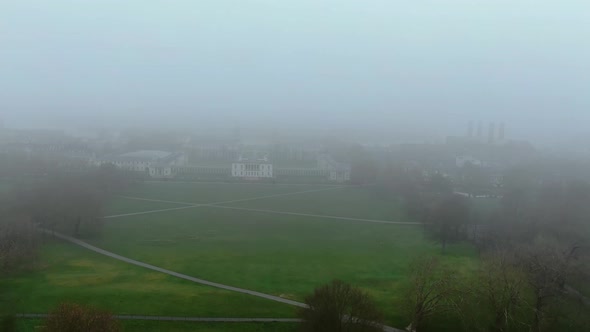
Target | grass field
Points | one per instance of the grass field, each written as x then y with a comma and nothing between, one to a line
277,254
71,274
205,192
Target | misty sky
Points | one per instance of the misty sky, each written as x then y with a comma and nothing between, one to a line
424,67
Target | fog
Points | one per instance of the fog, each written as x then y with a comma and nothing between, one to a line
390,70
295,165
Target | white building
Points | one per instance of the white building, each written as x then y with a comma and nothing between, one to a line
251,170
338,172
461,161
252,166
340,175
156,164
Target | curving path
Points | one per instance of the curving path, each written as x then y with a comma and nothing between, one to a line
172,273
186,319
184,276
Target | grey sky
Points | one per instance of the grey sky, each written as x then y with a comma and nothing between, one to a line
410,66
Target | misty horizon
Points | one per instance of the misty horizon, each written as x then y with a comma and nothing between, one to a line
395,70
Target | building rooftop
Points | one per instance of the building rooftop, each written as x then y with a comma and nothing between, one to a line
142,156
253,156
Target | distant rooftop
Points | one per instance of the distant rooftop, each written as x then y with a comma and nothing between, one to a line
253,156
142,156
146,154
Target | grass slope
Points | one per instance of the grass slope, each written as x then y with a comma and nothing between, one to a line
281,255
72,274
277,254
212,192
352,202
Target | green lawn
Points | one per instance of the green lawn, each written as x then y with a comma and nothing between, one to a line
212,192
68,273
281,255
121,206
352,202
277,254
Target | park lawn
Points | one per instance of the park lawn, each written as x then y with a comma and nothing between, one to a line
207,192
119,205
281,255
30,325
67,273
350,202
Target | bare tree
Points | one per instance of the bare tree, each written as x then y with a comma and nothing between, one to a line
340,307
548,265
496,301
448,220
503,286
429,292
18,241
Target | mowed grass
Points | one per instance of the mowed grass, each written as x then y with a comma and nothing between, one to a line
350,202
213,192
283,255
277,254
67,273
118,206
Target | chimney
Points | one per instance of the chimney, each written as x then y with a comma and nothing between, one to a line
479,130
502,132
491,133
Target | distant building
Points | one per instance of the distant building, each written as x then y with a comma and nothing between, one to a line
461,161
252,165
155,164
338,172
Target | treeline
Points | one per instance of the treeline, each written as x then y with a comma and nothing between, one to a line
533,245
534,255
66,202
534,259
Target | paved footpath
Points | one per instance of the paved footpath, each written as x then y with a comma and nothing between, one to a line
184,276
196,205
186,319
220,206
172,273
318,215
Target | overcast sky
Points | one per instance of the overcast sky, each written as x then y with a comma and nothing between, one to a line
425,67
